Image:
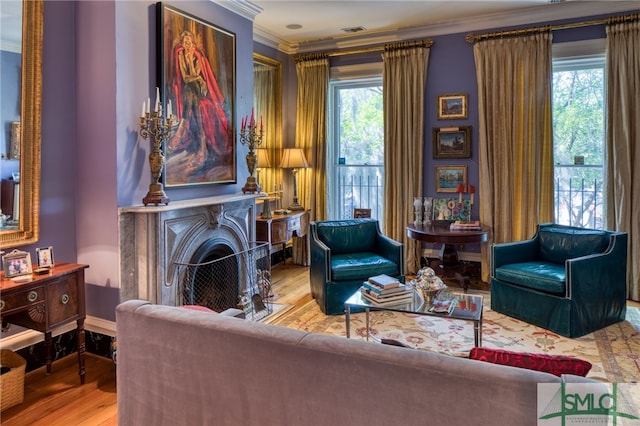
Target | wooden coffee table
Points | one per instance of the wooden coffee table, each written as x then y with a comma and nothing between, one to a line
469,308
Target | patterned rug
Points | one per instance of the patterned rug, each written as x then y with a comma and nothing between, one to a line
613,351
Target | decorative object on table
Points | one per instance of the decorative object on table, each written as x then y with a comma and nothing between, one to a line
277,192
449,209
16,264
417,208
452,107
197,67
452,142
251,135
428,211
44,256
448,178
294,159
384,290
157,127
428,284
361,213
263,163
468,225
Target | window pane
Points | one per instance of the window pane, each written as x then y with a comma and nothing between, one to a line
356,152
578,137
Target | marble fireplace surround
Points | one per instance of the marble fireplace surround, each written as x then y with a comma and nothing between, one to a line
154,238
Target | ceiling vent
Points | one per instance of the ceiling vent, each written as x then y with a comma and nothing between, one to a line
353,29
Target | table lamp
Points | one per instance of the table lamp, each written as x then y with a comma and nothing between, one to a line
293,158
263,163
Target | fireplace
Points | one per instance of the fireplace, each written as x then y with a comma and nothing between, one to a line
159,243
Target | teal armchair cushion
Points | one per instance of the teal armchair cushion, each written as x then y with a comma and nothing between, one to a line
344,253
571,281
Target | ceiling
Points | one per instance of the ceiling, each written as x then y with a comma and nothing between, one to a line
322,22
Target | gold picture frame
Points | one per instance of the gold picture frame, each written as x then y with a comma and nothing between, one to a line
452,142
16,263
452,107
448,178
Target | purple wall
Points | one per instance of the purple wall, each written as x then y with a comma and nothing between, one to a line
9,108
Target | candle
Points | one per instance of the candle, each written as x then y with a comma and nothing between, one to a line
260,124
148,105
157,98
460,190
143,109
169,112
253,120
472,191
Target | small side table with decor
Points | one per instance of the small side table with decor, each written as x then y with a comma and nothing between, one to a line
280,228
449,265
46,302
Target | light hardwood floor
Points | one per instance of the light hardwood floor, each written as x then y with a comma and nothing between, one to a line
59,399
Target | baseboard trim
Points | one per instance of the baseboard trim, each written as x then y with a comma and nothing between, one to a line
28,338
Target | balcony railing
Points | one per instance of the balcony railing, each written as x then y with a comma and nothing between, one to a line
360,187
579,202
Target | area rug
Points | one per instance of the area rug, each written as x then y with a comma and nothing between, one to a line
613,351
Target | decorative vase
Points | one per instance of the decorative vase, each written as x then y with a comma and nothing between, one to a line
428,211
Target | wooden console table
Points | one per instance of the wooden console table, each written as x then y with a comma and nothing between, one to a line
46,302
449,264
280,228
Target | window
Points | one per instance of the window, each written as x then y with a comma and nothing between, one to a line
579,134
355,158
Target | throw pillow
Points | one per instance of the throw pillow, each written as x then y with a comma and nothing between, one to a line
554,364
199,308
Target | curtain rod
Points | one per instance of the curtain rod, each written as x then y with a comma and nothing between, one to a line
472,38
345,52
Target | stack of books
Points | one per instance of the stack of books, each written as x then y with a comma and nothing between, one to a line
459,225
383,290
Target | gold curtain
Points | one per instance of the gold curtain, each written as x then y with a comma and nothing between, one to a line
623,142
311,124
404,80
265,97
515,137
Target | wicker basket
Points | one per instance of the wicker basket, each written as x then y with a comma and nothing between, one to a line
12,391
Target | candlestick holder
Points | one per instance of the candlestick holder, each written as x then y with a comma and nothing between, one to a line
251,136
157,128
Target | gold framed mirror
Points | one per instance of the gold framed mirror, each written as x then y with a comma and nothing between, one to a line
27,229
267,100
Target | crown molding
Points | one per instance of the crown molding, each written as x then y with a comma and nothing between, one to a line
244,8
537,14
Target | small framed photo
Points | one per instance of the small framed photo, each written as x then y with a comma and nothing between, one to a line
14,147
45,257
452,107
452,142
16,263
448,178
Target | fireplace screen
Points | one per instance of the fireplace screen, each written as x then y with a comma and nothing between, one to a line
237,280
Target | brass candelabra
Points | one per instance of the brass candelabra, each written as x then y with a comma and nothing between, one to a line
157,127
251,135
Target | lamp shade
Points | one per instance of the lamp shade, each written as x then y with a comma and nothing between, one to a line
263,158
293,158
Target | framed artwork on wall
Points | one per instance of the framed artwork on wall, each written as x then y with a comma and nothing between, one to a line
452,107
448,178
452,142
196,73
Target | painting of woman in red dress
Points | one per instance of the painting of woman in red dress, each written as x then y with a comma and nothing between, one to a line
201,149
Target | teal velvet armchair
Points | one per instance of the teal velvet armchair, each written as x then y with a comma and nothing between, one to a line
344,253
569,280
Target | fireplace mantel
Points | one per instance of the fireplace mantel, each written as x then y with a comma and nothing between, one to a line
154,238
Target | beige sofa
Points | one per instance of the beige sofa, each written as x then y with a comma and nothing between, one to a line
183,367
